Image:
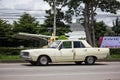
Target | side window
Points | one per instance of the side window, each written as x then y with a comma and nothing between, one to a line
78,44
67,44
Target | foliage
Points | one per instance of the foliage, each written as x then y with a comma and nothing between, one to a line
10,57
10,50
109,5
82,38
5,28
115,51
61,27
88,11
116,27
5,33
26,23
62,37
100,29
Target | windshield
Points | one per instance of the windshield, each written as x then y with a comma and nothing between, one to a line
54,44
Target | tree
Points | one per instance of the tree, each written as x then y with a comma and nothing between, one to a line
116,27
61,27
101,29
88,11
5,33
105,5
27,24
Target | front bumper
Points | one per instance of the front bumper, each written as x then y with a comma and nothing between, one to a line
26,56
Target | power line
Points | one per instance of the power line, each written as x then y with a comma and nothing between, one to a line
21,9
19,17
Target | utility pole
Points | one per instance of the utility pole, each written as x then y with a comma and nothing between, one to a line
54,23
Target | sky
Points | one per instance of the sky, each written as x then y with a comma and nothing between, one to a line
12,9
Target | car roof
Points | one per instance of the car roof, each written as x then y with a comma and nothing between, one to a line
83,41
71,40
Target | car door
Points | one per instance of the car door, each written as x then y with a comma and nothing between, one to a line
65,51
79,51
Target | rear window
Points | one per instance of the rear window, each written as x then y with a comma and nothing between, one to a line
78,44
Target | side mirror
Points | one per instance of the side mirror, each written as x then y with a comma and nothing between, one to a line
60,47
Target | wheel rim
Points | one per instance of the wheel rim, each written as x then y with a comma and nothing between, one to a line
90,60
43,60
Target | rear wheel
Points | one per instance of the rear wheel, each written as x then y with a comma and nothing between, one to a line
43,60
90,60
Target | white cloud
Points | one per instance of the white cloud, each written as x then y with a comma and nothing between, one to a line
11,8
40,5
107,17
24,4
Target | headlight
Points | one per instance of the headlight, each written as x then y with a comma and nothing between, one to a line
24,53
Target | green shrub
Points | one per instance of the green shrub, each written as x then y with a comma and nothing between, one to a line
10,51
115,51
62,37
10,57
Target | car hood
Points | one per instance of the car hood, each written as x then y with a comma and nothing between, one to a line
41,49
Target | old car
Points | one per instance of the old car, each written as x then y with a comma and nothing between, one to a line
77,51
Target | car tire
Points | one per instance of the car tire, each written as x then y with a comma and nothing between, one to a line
78,62
90,60
42,60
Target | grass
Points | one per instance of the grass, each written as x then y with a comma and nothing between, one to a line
114,57
10,57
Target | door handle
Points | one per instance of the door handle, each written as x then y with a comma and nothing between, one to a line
73,51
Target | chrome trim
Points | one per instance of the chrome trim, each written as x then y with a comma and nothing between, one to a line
26,56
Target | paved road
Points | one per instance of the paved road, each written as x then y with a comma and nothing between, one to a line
68,71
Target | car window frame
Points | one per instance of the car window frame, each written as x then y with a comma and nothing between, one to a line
81,44
61,45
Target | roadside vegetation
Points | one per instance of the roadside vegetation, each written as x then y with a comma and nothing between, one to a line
10,46
10,57
114,57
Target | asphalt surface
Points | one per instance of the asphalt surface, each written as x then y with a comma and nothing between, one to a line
60,71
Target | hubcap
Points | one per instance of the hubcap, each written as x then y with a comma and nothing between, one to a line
43,60
90,60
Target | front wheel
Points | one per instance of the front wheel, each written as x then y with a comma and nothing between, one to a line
43,60
90,60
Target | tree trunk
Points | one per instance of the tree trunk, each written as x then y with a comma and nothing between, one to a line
86,15
92,26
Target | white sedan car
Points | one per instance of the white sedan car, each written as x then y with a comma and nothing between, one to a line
77,51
